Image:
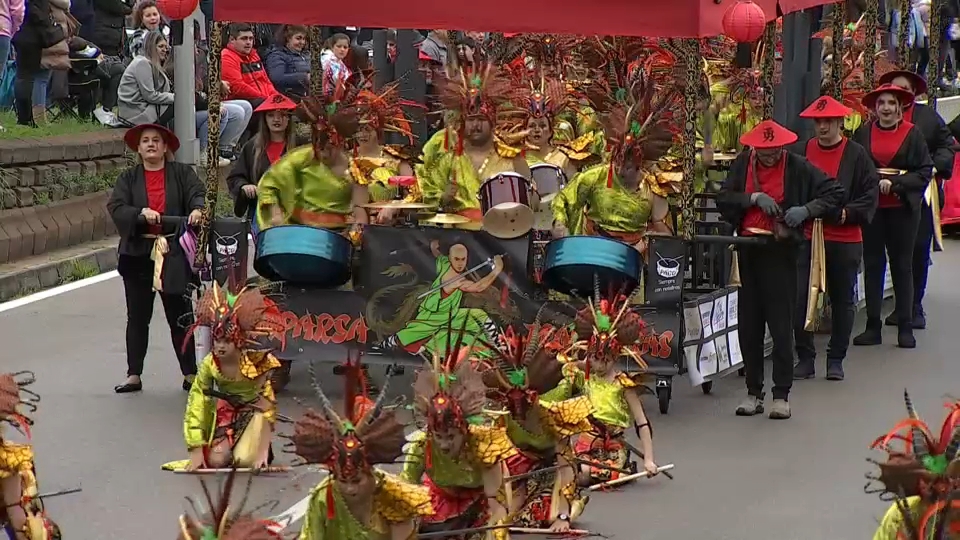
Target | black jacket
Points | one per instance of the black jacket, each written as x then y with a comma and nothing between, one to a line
912,157
803,185
184,193
937,136
861,189
37,32
243,174
107,30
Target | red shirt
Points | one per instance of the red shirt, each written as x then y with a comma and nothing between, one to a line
275,150
156,195
771,183
884,144
908,114
828,159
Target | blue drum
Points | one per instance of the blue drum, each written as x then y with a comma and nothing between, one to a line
304,255
572,262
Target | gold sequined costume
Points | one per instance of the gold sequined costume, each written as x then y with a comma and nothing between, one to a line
23,519
349,446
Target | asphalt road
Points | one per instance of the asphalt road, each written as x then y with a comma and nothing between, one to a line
736,478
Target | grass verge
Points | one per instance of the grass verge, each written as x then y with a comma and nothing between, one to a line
62,126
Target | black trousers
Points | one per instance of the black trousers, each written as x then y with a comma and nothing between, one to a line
893,233
843,261
921,254
768,298
137,274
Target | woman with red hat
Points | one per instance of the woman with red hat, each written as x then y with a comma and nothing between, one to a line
275,136
940,144
149,262
851,166
771,192
900,153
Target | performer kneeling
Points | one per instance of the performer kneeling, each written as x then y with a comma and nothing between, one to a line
899,146
851,165
605,329
540,429
231,408
460,456
763,181
313,186
356,500
922,476
21,513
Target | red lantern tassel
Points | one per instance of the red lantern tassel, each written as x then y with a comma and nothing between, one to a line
586,369
610,177
331,511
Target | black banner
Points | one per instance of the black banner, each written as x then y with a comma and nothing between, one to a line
667,264
410,284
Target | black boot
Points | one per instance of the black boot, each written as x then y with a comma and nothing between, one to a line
891,319
919,318
834,369
871,335
905,339
24,113
804,369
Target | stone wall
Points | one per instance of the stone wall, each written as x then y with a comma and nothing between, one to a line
53,191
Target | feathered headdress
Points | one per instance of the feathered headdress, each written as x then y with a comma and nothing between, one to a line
920,463
525,55
17,402
384,111
223,522
639,85
334,115
241,318
524,369
739,85
477,89
547,98
607,328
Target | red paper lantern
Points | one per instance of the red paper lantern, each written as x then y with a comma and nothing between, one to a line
177,10
744,21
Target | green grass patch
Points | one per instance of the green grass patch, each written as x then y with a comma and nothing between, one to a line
62,126
80,269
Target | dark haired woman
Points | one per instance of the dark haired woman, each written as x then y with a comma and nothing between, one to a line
151,260
335,51
288,64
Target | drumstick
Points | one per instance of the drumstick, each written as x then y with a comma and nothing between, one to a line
628,478
265,470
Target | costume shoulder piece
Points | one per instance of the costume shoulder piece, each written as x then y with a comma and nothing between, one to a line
216,519
489,444
399,501
921,474
362,168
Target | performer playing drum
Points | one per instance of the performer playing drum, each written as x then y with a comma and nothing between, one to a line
452,181
312,185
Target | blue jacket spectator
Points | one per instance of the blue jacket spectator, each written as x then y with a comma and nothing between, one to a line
288,63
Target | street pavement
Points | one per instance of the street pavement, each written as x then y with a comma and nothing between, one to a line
736,478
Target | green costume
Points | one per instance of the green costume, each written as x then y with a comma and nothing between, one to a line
446,167
303,186
730,122
432,326
615,209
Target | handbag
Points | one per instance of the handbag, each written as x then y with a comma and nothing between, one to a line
56,57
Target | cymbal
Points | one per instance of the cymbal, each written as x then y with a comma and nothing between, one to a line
762,232
890,172
446,219
399,205
724,157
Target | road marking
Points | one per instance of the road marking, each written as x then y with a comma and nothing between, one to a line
56,291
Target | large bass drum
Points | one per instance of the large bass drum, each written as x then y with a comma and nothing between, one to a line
549,180
304,255
572,262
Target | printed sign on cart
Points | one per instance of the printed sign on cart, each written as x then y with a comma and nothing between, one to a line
667,266
711,342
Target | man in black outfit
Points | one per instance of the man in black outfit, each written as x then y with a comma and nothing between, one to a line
770,193
851,166
940,145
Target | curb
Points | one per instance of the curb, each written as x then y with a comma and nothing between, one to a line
97,259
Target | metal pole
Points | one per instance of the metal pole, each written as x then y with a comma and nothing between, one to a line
691,110
184,81
934,64
213,140
836,67
903,52
870,19
767,67
316,67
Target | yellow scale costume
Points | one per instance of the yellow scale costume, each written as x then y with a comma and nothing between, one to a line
17,462
349,447
235,416
375,173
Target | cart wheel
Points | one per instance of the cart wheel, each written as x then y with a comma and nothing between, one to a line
663,395
706,387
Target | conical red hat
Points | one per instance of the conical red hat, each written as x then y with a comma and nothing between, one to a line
768,134
277,102
826,107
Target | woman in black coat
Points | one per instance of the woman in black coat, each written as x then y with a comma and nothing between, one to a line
156,187
37,33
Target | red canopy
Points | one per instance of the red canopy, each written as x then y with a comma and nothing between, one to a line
651,18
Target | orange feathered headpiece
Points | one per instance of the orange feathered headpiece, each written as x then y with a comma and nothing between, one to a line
335,114
17,402
384,111
216,519
242,319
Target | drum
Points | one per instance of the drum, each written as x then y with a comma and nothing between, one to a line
505,203
549,180
572,262
303,255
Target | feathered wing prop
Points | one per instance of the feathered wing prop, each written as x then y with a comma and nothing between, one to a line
222,520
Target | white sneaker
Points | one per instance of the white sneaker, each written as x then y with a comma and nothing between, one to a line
105,117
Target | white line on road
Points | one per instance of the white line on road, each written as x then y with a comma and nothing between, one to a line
56,291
